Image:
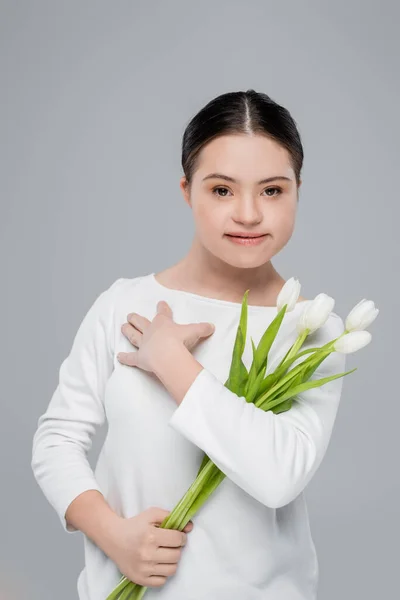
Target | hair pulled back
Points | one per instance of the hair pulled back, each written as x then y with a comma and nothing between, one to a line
248,112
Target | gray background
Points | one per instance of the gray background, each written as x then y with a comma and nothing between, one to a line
94,100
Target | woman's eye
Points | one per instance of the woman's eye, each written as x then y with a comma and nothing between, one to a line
277,189
273,188
220,188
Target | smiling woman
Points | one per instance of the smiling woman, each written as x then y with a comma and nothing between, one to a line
155,371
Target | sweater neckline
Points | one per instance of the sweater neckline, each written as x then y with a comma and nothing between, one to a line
217,301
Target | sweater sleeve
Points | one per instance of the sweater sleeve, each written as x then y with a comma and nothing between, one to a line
270,456
64,432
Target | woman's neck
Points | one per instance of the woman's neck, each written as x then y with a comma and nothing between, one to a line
228,284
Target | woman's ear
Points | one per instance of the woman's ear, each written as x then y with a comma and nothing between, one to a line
183,184
298,188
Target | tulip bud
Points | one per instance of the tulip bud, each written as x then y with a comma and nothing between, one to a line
351,342
361,316
315,313
289,294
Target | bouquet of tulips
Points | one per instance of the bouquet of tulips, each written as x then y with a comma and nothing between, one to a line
275,391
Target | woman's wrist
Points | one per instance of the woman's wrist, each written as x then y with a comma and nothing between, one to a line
108,525
91,514
176,368
108,533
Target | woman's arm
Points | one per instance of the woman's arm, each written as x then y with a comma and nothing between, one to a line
64,432
90,513
270,456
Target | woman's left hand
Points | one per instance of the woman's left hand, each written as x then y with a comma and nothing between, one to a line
153,338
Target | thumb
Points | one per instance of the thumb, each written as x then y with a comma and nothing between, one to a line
193,332
157,515
204,329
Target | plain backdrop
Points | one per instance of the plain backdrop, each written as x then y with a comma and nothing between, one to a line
95,97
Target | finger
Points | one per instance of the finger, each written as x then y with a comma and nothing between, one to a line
132,334
193,332
138,321
167,555
171,538
205,329
188,526
164,308
127,358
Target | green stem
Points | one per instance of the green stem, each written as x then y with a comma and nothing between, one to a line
213,482
126,594
174,519
117,590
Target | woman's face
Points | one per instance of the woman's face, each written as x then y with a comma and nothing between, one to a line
245,205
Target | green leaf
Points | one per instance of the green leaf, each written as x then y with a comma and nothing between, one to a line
254,389
298,389
253,348
238,374
280,384
283,369
267,383
253,369
308,372
256,373
260,355
268,338
283,406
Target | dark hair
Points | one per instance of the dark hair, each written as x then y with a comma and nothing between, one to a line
240,112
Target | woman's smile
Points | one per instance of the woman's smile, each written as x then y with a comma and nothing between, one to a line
246,241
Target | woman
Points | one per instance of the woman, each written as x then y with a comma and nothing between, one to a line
151,356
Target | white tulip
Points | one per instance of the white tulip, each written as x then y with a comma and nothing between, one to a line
361,315
353,341
289,294
315,313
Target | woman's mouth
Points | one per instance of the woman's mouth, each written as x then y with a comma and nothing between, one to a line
246,241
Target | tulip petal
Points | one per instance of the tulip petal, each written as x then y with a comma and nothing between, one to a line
316,313
353,341
289,294
361,316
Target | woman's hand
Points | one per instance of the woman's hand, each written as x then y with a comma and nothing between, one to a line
144,552
153,338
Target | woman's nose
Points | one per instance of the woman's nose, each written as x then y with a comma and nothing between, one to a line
247,210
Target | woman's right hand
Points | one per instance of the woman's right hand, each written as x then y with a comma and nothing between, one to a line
144,552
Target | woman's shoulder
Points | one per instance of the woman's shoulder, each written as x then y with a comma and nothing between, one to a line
129,293
110,297
123,284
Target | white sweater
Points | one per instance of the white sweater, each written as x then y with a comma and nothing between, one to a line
252,538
